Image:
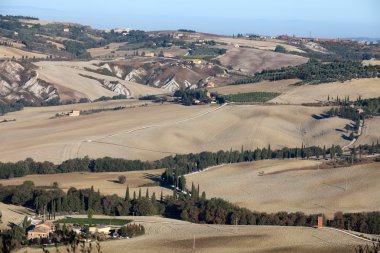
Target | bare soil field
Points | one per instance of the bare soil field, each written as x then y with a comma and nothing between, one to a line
348,189
10,52
366,88
150,133
65,76
106,183
280,86
12,214
174,236
254,60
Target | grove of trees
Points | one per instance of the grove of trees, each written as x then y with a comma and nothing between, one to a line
314,72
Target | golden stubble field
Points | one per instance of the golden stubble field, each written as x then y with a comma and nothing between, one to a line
107,182
10,52
285,186
174,236
153,132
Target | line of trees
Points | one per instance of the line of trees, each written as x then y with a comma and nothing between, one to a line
314,73
370,107
251,97
190,207
184,163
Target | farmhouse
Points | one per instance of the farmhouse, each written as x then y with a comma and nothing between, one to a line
41,230
100,229
149,54
74,113
197,61
168,55
211,85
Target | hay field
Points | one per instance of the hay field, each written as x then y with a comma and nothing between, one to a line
65,77
366,88
254,60
105,182
174,236
348,189
10,52
280,86
12,214
150,133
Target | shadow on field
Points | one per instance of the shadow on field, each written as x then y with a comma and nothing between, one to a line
320,116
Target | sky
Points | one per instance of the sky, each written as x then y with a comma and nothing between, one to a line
318,18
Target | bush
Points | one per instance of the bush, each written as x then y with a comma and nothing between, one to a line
280,49
122,179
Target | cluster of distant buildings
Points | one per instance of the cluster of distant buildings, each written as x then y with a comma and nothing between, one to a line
307,39
123,31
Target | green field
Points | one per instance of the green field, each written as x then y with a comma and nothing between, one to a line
116,222
251,97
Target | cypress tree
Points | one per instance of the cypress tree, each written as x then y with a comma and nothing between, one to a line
193,191
83,204
332,152
153,199
59,205
127,194
203,196
139,193
134,195
162,196
90,198
147,193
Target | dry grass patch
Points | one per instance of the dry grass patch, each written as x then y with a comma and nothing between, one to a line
12,214
254,60
365,88
10,52
106,182
150,133
264,86
258,186
373,62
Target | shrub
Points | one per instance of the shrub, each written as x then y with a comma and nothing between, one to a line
122,179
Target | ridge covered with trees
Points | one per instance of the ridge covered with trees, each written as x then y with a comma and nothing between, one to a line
314,72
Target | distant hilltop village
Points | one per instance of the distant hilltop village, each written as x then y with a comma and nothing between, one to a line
124,31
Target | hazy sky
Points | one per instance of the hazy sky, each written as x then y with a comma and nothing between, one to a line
321,18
